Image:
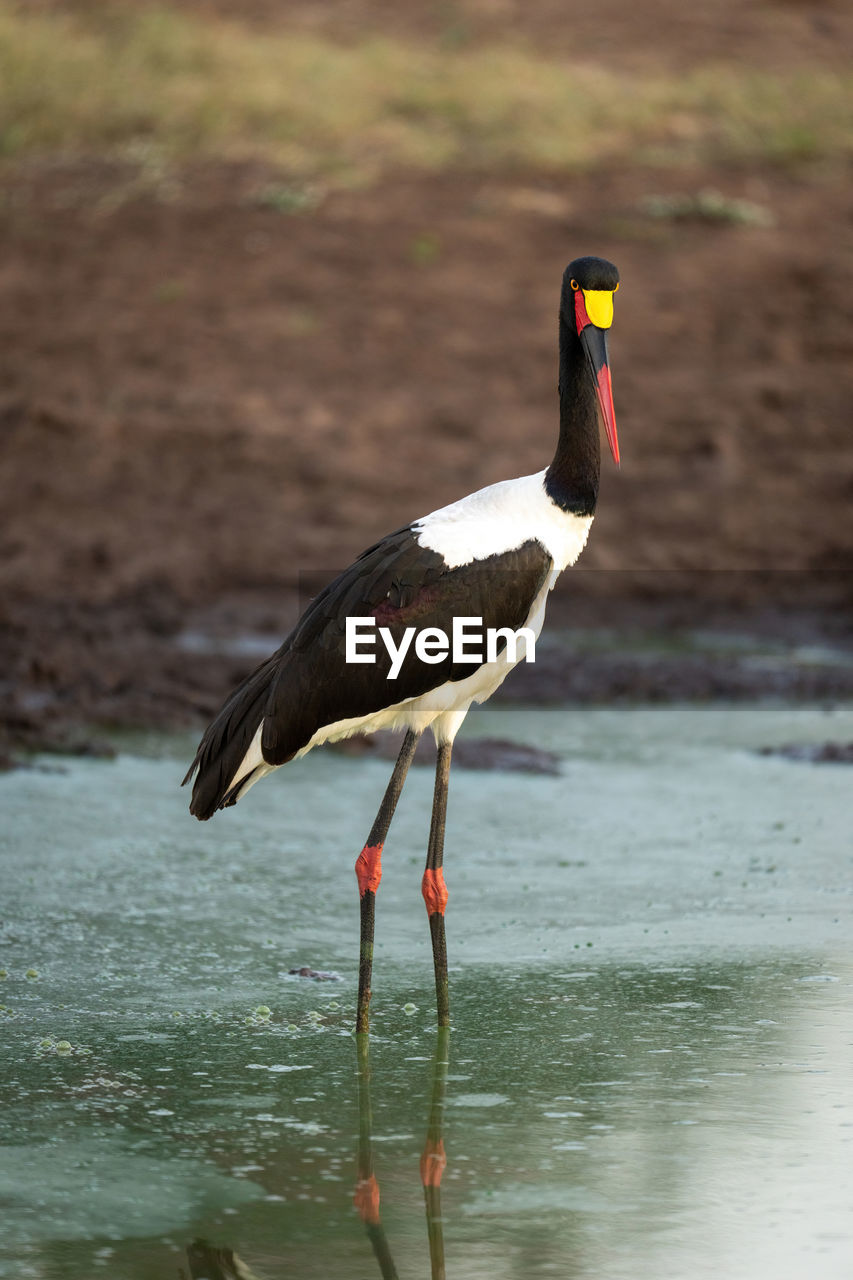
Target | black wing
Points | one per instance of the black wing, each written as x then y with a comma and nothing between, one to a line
308,683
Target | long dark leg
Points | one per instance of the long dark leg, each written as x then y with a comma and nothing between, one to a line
368,869
433,887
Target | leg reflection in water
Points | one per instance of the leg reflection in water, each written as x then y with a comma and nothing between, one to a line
433,1162
211,1262
433,1159
366,1198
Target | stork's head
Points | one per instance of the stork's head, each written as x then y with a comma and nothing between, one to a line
586,306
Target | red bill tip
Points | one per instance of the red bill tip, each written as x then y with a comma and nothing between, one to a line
604,390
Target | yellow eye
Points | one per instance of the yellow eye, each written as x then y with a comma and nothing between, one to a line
574,285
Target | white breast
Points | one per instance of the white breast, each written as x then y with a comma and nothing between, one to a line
500,518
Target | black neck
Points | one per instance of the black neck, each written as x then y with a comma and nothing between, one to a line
571,481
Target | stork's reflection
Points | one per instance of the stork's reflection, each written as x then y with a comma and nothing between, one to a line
432,1166
208,1262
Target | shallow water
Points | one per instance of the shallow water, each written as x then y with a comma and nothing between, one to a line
650,1067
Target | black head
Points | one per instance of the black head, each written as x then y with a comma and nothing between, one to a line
591,273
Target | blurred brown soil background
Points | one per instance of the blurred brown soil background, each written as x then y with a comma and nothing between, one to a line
222,376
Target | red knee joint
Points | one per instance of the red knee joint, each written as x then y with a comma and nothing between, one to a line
366,1199
434,890
368,868
433,1163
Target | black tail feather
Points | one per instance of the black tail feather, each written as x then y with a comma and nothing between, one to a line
227,740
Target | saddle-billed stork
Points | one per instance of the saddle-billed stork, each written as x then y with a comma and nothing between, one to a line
493,556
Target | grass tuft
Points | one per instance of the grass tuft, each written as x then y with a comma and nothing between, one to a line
707,205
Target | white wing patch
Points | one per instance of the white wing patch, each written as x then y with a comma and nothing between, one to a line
500,518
